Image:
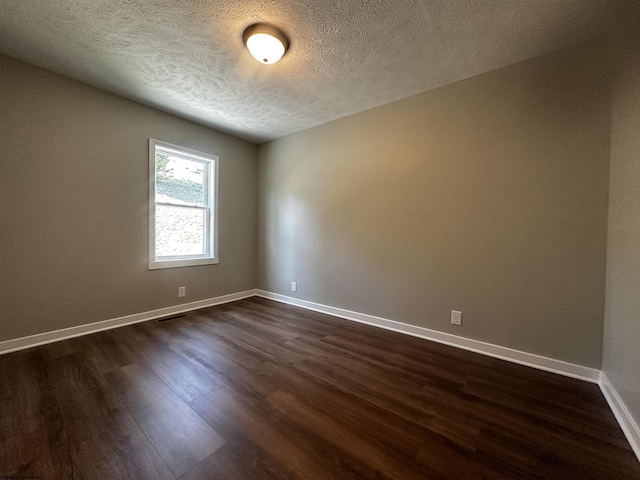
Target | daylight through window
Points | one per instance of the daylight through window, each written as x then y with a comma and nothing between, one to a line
182,208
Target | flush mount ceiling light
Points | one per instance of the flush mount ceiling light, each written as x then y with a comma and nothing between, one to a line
267,44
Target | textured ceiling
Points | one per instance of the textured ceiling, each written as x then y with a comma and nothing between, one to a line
187,57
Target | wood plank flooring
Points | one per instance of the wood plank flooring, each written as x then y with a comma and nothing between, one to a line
259,390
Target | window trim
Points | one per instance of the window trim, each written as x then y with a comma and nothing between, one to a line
211,209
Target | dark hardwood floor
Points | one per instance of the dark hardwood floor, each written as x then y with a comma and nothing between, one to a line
259,390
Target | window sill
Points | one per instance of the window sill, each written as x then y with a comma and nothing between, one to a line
191,262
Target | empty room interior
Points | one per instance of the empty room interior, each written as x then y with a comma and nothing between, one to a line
320,240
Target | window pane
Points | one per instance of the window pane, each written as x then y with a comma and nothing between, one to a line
178,180
179,231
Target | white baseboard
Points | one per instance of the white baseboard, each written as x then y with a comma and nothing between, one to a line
516,356
629,426
529,359
56,335
524,358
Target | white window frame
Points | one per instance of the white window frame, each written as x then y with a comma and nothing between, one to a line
211,208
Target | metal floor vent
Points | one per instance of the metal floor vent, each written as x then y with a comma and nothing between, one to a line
172,317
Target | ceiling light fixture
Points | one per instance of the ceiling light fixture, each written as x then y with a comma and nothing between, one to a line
267,44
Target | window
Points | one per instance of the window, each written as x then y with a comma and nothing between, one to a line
182,206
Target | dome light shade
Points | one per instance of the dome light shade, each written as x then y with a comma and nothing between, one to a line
267,44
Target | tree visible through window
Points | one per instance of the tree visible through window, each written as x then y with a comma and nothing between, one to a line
182,206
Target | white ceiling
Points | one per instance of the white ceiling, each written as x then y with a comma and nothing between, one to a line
187,57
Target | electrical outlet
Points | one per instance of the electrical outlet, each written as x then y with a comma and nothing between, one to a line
182,291
456,317
294,286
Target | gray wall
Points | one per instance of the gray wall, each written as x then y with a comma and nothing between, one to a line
73,205
487,196
621,361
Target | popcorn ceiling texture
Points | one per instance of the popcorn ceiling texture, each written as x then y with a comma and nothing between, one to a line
187,56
